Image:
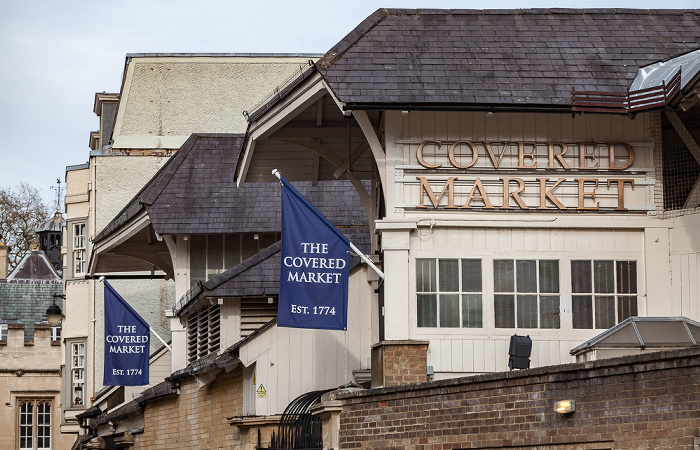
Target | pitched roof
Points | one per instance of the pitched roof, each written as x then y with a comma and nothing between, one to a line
195,193
534,57
258,276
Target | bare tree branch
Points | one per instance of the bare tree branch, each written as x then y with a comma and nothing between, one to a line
22,210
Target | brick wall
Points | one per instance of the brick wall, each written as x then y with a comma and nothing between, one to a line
197,417
642,401
397,363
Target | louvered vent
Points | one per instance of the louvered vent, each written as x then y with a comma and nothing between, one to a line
256,312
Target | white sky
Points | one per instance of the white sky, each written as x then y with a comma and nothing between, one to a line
56,54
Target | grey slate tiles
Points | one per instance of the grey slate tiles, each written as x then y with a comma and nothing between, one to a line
510,58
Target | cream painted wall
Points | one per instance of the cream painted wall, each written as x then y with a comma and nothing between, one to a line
165,99
291,361
685,264
117,180
660,246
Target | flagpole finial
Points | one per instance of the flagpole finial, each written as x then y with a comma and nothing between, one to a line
276,173
101,278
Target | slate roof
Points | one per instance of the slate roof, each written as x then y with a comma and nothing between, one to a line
535,57
195,193
258,276
28,291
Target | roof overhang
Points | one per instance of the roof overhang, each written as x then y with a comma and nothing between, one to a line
306,94
134,247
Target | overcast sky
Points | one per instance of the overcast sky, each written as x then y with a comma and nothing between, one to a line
56,54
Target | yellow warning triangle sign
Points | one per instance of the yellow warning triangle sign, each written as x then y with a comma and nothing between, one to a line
261,391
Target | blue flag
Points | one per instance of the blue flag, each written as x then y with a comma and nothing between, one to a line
127,342
314,267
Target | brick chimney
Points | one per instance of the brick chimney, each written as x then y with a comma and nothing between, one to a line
3,260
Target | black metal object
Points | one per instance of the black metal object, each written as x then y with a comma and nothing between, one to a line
519,352
298,428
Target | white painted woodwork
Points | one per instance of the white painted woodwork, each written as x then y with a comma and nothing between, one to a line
291,361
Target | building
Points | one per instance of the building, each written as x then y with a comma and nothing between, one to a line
162,101
230,347
512,194
30,355
507,192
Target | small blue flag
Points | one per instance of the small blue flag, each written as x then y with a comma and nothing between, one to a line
314,267
127,342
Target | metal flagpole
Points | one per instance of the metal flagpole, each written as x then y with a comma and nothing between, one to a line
150,328
364,257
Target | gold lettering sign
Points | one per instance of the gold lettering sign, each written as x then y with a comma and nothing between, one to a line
589,155
516,191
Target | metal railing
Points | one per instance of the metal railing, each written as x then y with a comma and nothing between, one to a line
626,103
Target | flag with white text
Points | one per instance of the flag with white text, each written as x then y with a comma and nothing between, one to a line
314,267
127,342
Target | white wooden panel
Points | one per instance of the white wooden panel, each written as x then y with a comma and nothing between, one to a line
456,357
501,354
489,356
479,352
468,356
446,355
306,368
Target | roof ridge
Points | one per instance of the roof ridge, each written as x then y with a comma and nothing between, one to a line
351,38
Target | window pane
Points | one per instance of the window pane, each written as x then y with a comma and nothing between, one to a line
604,312
504,310
250,246
604,277
626,277
549,311
526,275
26,425
471,275
198,259
527,311
503,275
449,311
215,255
43,430
232,250
449,275
266,239
472,311
582,311
425,275
427,310
626,307
549,277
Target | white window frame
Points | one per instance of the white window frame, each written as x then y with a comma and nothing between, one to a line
441,294
56,333
79,249
539,294
31,421
77,373
615,294
3,331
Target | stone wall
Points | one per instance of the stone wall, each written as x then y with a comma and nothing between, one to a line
642,401
197,418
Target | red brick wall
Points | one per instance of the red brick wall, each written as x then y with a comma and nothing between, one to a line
645,401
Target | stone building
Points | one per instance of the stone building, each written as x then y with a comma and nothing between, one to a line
30,355
162,101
